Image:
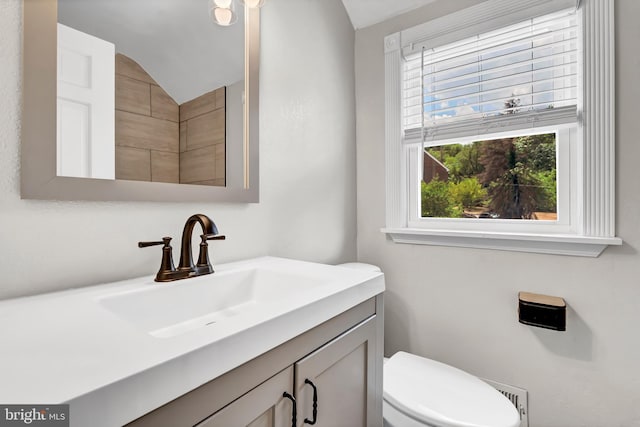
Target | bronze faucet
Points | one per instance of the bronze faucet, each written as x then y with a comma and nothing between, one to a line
186,268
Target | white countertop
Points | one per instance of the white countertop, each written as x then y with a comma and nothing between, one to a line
66,347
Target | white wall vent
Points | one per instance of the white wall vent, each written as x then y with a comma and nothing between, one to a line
517,396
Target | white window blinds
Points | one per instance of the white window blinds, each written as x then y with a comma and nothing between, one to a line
521,76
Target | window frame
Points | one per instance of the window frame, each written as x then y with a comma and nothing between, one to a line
590,226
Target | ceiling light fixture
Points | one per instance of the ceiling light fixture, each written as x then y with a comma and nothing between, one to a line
223,12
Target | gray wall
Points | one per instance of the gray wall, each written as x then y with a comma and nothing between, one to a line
307,207
460,305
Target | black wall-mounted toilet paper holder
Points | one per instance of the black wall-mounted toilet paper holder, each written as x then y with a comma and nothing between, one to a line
543,311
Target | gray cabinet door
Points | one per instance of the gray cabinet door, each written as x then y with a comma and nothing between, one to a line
343,373
264,406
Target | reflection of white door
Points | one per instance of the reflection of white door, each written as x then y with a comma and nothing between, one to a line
86,105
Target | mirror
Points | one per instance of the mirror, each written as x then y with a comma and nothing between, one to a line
174,93
174,79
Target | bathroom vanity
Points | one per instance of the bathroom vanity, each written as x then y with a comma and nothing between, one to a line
337,357
235,348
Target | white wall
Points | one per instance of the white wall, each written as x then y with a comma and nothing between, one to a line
307,207
460,305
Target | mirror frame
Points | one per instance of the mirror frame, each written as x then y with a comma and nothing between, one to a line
38,153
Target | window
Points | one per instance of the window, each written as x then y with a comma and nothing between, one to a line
507,178
494,135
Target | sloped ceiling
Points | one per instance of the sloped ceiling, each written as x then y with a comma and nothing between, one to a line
175,41
364,13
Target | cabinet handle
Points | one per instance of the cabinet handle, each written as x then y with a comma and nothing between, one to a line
315,403
294,412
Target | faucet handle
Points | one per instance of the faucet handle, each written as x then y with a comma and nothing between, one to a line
203,265
165,241
167,268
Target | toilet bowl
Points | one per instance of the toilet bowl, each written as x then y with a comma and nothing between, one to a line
420,392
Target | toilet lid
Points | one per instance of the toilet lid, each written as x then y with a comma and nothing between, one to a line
443,396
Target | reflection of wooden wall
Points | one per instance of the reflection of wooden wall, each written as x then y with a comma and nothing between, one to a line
202,139
157,140
147,126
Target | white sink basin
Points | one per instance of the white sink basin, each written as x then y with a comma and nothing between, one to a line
98,346
168,309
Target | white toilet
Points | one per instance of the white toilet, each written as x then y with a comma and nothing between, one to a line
420,392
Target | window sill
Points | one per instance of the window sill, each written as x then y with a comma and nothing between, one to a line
558,244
